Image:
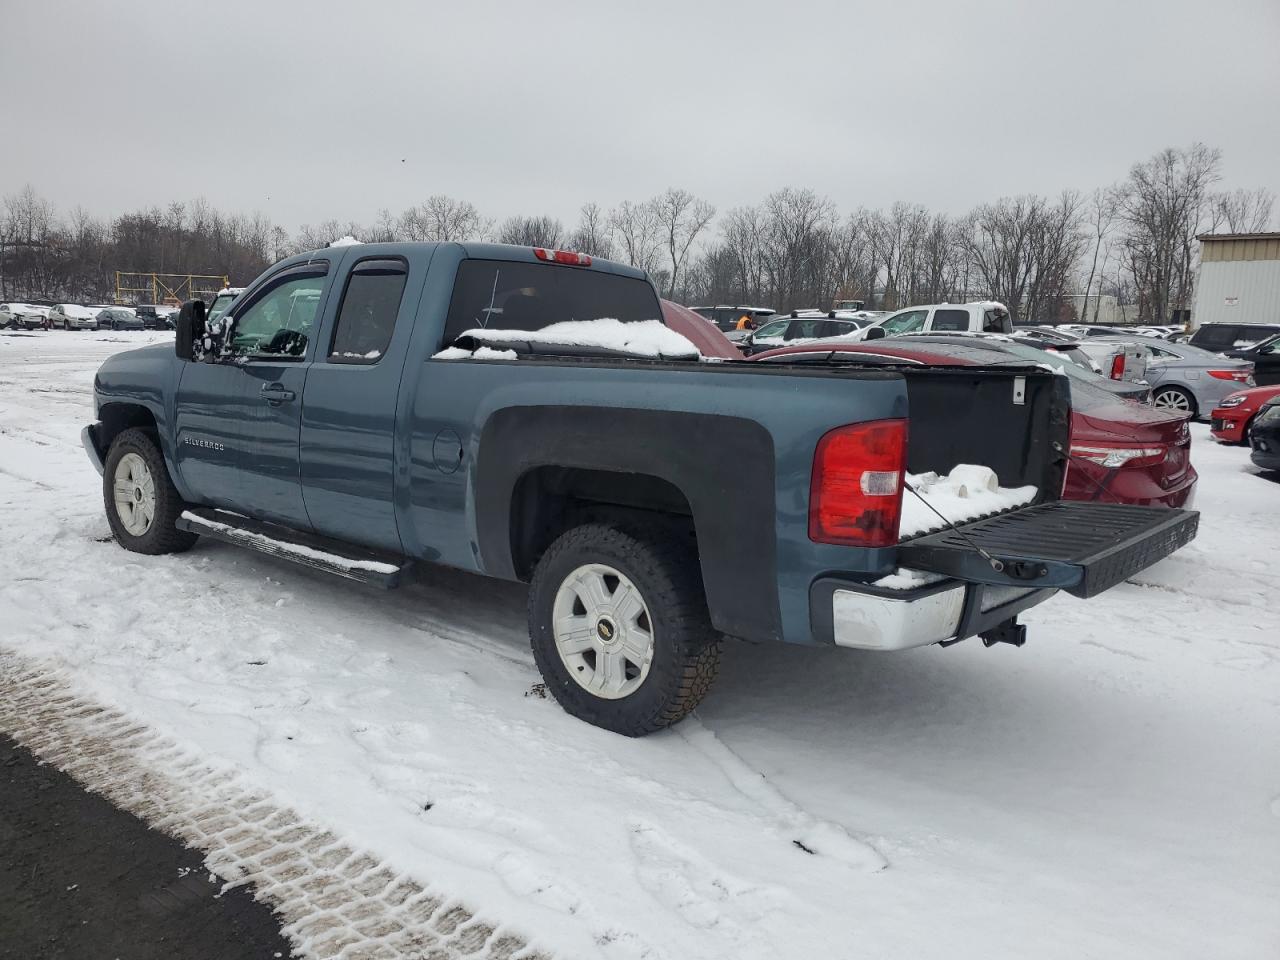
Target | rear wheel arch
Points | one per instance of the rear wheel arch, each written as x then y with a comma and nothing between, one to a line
547,501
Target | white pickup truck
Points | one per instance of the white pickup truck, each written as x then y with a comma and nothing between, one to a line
983,316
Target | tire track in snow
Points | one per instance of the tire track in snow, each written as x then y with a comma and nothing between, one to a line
335,901
809,834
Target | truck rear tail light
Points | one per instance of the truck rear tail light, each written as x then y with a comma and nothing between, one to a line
1122,456
855,496
567,257
1117,367
1239,376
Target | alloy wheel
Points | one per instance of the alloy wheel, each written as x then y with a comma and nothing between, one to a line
134,492
603,631
1174,400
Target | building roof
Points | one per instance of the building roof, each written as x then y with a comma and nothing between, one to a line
1206,237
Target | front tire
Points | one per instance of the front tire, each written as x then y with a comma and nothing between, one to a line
141,501
620,629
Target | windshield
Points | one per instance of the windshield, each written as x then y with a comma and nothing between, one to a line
1269,346
904,322
219,306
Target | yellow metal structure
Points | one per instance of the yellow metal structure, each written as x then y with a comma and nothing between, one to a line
167,288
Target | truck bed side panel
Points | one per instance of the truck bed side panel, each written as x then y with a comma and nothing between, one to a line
446,521
725,491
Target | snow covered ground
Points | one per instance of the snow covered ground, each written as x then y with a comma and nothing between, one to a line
1111,790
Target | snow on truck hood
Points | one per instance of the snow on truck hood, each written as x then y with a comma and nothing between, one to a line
645,338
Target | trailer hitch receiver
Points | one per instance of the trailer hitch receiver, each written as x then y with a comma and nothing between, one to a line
1008,631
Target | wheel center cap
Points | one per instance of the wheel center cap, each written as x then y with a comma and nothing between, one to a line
137,494
606,630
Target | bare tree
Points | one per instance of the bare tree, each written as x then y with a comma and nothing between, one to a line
1241,211
1101,215
681,217
638,232
532,232
442,218
593,235
1162,206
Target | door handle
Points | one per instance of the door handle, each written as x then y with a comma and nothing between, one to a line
275,394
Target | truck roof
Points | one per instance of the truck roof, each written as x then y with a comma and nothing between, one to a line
473,250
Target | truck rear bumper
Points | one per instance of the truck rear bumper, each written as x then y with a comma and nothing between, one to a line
865,617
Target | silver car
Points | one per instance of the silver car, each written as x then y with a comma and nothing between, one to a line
1189,380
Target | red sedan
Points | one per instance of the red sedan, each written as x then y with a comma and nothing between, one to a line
699,331
1121,451
1234,413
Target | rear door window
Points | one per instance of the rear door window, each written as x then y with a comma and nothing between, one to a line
367,314
1215,336
950,319
510,295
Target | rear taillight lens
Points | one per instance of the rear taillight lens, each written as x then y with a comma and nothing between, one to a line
855,497
1122,456
1239,376
1117,367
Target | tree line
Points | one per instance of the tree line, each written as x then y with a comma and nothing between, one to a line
1134,240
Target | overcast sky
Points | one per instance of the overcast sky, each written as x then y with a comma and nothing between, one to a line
306,111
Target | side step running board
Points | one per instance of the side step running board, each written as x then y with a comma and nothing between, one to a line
321,553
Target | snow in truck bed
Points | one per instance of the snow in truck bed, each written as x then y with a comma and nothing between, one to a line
967,493
645,338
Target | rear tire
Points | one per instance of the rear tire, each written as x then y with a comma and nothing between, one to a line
141,501
1175,400
651,600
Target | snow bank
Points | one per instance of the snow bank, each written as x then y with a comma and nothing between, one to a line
646,338
966,493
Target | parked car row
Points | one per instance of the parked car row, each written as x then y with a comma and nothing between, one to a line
74,316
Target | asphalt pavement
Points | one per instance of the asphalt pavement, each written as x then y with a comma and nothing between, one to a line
82,880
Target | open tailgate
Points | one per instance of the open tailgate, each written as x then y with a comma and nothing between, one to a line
1082,548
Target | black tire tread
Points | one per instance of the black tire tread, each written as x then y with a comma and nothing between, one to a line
652,552
163,536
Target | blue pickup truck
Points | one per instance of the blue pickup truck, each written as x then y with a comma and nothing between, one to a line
361,408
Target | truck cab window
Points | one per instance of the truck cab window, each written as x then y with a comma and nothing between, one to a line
279,322
367,316
993,321
952,320
513,295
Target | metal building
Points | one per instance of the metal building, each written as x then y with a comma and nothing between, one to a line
1239,278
